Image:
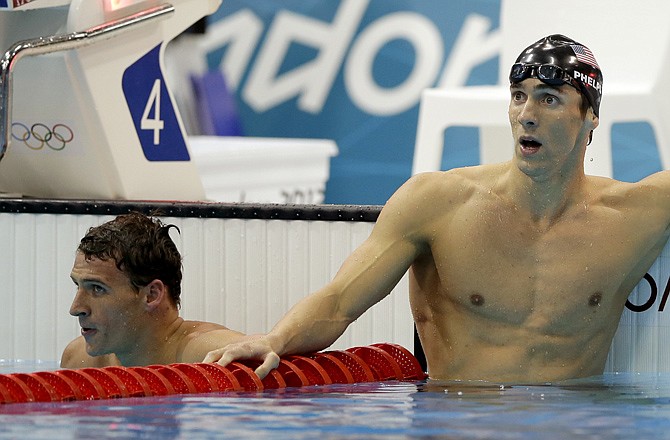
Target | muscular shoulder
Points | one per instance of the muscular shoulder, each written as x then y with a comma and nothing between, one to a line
446,186
650,192
647,202
75,356
428,199
657,188
442,191
199,338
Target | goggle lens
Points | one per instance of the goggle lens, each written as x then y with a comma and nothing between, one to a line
547,73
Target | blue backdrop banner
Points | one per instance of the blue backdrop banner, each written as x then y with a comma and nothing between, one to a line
353,71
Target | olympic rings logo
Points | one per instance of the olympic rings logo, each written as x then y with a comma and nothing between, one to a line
39,135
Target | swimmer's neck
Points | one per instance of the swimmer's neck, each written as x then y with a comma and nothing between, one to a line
545,198
158,345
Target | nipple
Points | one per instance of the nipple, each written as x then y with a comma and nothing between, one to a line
595,299
476,299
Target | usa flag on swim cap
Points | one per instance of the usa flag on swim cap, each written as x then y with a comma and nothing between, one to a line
584,55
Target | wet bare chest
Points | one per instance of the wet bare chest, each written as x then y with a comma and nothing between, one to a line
508,270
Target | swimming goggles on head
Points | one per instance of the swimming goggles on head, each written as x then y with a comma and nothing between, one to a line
547,73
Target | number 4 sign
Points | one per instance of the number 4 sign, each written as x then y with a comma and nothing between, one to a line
151,108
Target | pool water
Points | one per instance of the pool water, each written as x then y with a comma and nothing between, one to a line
612,406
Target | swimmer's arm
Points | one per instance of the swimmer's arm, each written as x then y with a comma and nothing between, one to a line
366,276
75,356
317,320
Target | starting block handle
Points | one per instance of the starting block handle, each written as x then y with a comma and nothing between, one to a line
57,43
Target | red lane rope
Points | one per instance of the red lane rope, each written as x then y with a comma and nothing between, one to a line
377,362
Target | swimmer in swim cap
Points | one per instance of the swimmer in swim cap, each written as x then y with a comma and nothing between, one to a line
518,271
557,60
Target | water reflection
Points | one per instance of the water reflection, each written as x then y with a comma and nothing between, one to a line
122,418
8,366
609,406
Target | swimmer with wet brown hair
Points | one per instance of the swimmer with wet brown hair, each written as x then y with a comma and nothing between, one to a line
127,274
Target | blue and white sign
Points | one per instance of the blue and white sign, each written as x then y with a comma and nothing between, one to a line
353,71
152,111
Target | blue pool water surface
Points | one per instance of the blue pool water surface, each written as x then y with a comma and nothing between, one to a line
612,406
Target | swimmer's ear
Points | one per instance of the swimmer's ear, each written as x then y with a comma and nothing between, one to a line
596,121
156,293
593,118
593,122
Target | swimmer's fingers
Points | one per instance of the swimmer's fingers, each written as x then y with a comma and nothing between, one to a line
270,362
254,349
214,355
224,356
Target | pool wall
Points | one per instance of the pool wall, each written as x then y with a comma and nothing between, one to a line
244,266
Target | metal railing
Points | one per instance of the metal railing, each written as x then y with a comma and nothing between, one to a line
57,43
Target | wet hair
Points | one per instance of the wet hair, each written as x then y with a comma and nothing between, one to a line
141,247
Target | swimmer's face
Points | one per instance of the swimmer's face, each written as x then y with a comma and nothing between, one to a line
549,129
109,308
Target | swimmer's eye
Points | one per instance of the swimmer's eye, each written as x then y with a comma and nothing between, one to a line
95,289
551,100
517,96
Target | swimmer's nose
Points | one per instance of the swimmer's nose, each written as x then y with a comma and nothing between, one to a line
78,306
527,116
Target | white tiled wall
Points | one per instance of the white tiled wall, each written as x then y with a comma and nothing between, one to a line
642,341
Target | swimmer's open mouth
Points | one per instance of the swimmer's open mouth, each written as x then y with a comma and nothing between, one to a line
529,142
87,330
529,145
